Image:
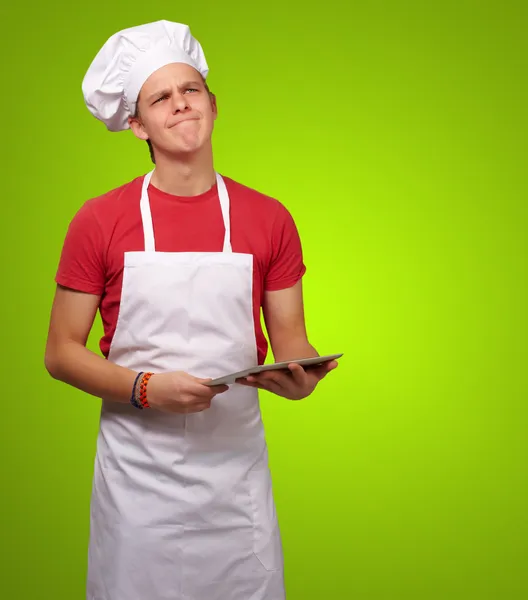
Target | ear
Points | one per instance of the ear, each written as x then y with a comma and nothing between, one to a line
137,128
214,106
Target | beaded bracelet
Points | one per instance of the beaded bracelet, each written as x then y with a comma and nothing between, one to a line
133,398
142,388
138,399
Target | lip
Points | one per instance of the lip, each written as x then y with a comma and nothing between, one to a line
183,121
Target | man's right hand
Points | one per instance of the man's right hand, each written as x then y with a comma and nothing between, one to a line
179,392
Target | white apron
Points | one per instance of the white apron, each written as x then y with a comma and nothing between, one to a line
182,505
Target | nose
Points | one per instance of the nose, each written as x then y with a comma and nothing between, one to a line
179,103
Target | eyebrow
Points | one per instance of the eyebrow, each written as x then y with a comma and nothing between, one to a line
165,91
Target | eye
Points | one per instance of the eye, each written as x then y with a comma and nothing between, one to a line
161,98
191,90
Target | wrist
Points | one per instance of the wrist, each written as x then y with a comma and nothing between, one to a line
139,395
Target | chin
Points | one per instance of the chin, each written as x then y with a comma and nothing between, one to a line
176,150
187,149
179,148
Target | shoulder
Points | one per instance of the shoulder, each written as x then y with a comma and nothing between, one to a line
114,199
99,214
253,199
268,214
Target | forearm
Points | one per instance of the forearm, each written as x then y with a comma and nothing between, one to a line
81,368
291,348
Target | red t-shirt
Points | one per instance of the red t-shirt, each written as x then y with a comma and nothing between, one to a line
107,226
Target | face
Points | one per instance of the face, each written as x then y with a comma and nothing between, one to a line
176,112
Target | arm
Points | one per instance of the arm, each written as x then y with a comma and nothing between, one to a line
82,274
284,318
67,358
81,279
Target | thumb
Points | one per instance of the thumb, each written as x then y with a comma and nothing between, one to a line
216,388
202,380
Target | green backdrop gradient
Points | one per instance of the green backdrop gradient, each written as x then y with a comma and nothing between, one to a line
395,133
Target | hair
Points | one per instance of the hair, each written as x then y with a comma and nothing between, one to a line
149,143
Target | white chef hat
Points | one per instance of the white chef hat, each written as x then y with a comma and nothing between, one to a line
112,83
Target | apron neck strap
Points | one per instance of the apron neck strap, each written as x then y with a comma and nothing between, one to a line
224,205
146,215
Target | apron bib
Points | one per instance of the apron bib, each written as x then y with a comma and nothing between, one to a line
182,505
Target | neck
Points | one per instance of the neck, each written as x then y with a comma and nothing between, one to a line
184,176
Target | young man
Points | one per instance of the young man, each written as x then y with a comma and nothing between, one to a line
179,263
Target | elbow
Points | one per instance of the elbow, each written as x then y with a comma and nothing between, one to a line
51,363
50,366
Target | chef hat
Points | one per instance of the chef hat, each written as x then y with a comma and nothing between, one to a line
112,83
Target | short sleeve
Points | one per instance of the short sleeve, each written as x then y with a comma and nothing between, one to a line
81,265
286,265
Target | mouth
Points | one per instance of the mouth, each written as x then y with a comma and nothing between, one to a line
183,121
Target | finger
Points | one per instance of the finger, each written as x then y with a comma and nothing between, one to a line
264,380
201,380
207,391
218,389
248,383
270,377
254,382
268,382
274,388
244,381
298,374
322,371
204,382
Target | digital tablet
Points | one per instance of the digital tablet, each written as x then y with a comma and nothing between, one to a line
304,362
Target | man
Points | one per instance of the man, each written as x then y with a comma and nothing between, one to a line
179,263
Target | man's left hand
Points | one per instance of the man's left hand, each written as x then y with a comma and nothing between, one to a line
295,384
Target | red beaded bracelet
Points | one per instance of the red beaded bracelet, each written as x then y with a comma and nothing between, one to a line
142,389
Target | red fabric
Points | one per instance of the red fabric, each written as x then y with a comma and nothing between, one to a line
108,226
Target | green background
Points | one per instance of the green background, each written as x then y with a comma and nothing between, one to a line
395,132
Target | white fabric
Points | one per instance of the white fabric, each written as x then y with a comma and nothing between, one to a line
182,505
127,59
